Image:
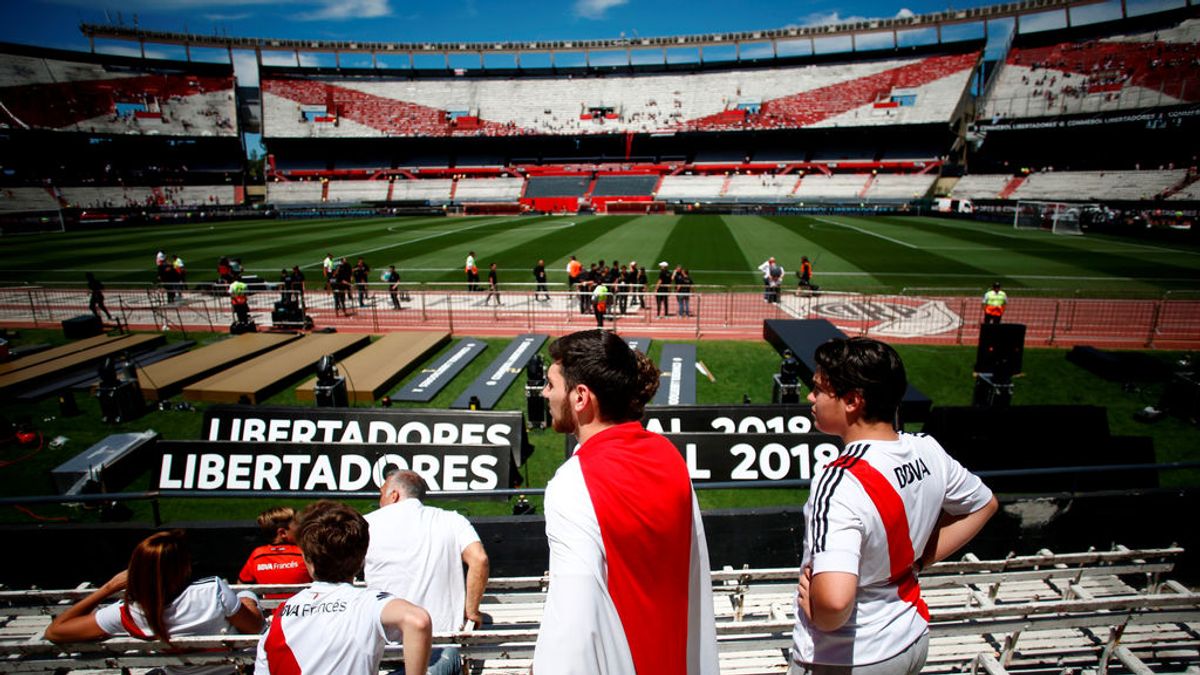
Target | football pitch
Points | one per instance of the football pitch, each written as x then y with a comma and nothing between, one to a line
850,253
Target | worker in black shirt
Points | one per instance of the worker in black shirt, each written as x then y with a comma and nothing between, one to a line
539,275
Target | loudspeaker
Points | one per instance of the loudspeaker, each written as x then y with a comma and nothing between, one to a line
82,326
239,327
1182,396
121,402
332,395
1001,348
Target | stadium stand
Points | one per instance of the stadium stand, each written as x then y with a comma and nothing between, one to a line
488,189
432,190
624,186
1023,614
294,192
16,199
818,187
1097,185
69,91
764,187
691,187
901,187
1190,192
352,191
556,186
861,92
1087,75
980,186
111,197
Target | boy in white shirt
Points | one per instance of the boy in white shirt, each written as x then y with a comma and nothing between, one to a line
333,626
891,504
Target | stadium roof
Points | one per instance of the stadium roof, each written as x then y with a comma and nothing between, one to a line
935,20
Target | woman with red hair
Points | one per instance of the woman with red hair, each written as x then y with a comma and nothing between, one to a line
161,602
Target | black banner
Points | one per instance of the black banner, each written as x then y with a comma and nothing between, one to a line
500,375
305,467
729,419
677,384
737,457
431,380
725,419
353,426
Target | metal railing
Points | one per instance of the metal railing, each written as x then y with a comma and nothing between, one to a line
929,315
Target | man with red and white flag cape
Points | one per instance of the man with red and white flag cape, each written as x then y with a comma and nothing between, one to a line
630,590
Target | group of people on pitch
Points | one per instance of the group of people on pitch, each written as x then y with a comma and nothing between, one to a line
629,588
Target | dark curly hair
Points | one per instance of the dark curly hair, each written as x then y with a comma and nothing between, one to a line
334,539
622,379
867,366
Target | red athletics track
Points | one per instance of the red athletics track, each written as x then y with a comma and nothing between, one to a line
1172,322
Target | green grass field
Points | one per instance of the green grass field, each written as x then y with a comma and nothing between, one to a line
741,368
884,253
850,253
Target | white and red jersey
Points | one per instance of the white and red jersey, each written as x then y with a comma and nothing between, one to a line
870,513
630,590
416,555
326,629
203,608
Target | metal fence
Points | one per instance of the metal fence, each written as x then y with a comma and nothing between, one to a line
933,316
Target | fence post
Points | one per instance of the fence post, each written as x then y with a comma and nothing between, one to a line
450,310
1054,323
1154,319
962,319
696,314
32,307
424,310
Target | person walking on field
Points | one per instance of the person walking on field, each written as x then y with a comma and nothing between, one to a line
662,292
472,271
493,286
539,276
994,304
96,299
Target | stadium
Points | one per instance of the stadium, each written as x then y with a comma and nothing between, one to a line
895,168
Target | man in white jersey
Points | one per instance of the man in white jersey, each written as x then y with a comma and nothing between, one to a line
333,627
417,553
891,504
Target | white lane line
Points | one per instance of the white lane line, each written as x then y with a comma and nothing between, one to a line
868,232
434,235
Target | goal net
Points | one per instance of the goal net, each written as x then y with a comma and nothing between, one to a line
1057,217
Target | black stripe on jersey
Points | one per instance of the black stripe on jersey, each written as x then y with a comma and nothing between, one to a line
824,493
278,554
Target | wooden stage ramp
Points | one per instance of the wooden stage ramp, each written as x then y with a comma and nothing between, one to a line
258,378
372,371
166,378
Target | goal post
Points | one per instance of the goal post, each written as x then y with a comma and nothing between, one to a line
1056,217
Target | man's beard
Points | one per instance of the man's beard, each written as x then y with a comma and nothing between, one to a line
561,420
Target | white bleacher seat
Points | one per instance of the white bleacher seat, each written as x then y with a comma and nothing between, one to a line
184,104
1050,611
356,191
18,199
1097,185
980,186
841,187
108,197
433,190
691,187
1191,192
1120,72
900,186
294,192
198,195
762,187
829,94
488,189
